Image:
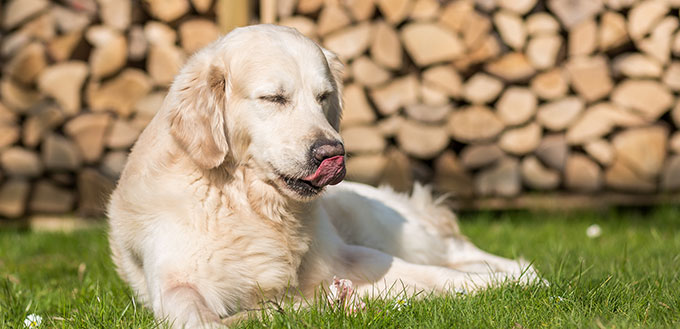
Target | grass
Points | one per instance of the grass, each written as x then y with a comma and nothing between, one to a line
627,278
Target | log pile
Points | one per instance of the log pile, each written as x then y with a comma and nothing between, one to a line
482,98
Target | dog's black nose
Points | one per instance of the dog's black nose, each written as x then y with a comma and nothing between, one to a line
323,149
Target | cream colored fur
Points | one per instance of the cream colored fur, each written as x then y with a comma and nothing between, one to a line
202,225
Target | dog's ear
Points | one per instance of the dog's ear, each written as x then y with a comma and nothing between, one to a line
197,99
337,71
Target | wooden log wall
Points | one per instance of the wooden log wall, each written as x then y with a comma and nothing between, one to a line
482,98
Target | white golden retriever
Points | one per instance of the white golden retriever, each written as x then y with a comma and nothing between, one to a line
224,200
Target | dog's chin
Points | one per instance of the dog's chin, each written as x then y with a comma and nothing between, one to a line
299,189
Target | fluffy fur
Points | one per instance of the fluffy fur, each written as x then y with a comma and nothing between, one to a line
203,224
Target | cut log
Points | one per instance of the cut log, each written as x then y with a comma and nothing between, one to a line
9,134
553,151
116,13
519,7
511,28
93,191
590,77
637,65
455,14
109,53
16,97
398,172
394,11
168,10
659,44
332,18
147,106
648,97
60,153
196,34
202,6
643,150
450,176
601,151
425,10
522,140
675,114
7,116
670,179
63,82
583,38
671,77
20,162
550,85
357,111
619,177
489,48
27,64
516,106
49,198
113,164
157,33
613,32
309,6
541,23
44,119
542,51
482,88
268,10
361,10
303,24
367,73
68,20
503,179
420,140
537,176
397,94
390,125
366,168
475,30
674,144
644,15
582,174
428,114
88,131
480,155
573,12
386,48
121,135
163,63
232,14
363,139
42,28
429,43
474,124
119,94
558,115
13,196
596,122
350,42
432,96
445,78
17,11
512,67
61,47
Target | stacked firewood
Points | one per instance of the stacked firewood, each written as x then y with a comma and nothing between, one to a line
80,80
482,98
503,97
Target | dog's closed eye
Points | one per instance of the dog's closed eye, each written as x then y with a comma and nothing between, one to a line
277,99
323,96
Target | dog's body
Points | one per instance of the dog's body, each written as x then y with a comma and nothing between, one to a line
223,201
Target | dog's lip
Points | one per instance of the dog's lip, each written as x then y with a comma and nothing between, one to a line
300,186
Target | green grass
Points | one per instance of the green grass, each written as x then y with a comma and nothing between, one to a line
627,278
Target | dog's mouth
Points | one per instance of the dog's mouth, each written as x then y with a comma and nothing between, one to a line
330,171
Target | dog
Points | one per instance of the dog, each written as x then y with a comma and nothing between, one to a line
233,194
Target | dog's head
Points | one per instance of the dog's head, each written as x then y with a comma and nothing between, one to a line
266,97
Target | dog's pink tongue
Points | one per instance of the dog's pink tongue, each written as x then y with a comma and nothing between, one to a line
330,172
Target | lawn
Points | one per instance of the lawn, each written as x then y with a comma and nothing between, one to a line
626,278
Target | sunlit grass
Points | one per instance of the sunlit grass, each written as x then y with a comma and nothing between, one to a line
627,277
